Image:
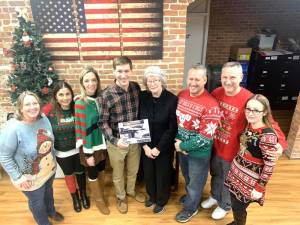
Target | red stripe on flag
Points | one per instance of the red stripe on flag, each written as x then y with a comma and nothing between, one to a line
101,48
101,21
103,30
97,57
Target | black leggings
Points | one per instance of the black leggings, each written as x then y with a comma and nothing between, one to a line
94,170
237,205
70,165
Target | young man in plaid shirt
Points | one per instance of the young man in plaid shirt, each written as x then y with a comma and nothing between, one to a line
120,103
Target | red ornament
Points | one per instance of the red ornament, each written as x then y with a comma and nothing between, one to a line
13,88
50,69
45,90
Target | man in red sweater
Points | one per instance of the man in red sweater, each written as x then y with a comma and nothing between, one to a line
232,100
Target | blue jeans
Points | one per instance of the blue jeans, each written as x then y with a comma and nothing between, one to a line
41,202
219,169
195,172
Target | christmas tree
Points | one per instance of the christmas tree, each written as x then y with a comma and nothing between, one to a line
32,68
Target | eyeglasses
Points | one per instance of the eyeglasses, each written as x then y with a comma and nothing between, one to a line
153,81
253,111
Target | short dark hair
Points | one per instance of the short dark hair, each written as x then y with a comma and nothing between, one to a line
121,60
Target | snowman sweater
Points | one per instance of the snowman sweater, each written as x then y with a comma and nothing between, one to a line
197,118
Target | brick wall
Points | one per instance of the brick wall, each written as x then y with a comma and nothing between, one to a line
235,21
172,62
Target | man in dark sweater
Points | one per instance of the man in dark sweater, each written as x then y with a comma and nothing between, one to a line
198,117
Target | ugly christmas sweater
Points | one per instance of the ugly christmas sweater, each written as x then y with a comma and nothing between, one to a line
233,122
253,166
197,118
64,131
88,133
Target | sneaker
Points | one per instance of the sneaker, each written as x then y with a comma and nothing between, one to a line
139,197
219,213
149,203
58,217
122,205
182,199
208,203
184,216
158,209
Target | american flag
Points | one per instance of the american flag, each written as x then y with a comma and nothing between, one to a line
100,29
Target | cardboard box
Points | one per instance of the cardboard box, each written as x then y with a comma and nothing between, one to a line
266,41
240,53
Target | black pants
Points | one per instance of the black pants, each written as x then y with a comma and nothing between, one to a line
70,165
237,205
158,176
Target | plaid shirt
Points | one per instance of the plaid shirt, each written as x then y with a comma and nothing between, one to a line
118,106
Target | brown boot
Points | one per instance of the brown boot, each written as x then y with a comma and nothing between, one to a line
101,180
97,193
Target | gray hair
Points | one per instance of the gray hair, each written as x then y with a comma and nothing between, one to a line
200,68
232,65
157,72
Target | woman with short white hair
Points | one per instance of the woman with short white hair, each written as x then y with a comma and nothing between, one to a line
158,106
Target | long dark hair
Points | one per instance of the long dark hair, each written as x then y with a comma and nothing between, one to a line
56,106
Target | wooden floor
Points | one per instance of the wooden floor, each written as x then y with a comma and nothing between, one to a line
282,204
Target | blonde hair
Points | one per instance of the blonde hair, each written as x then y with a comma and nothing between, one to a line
86,70
20,103
267,109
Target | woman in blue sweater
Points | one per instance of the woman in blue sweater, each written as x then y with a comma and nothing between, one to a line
27,155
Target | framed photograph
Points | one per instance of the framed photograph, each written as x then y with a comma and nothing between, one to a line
133,132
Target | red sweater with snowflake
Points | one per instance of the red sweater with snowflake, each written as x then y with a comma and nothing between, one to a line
233,122
197,118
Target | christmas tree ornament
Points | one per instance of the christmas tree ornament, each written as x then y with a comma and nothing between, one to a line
27,40
13,88
50,81
22,13
50,69
45,90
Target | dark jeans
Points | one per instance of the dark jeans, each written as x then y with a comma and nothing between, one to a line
41,202
158,176
219,169
195,172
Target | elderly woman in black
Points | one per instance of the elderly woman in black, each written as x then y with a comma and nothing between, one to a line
158,106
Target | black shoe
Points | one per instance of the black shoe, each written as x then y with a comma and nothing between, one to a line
58,217
158,209
232,223
149,203
85,200
76,201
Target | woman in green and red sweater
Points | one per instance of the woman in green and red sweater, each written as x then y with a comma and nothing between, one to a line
252,168
89,137
60,113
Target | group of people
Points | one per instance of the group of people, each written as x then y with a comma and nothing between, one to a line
229,132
